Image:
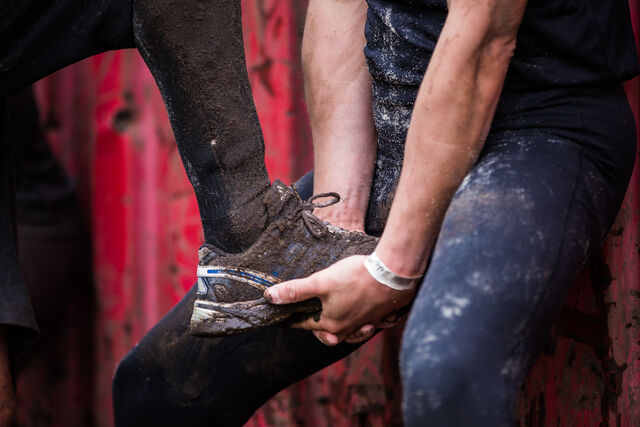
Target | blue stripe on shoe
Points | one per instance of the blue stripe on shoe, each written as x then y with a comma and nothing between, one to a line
243,274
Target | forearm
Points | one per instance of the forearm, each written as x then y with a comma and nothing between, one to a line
338,92
451,117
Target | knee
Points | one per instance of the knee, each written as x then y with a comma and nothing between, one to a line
432,374
447,383
133,399
124,379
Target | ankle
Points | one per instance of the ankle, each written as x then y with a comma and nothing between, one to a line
341,217
239,227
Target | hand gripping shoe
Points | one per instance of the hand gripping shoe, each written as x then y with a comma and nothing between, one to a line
295,244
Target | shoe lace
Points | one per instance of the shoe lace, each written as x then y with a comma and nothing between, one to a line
314,224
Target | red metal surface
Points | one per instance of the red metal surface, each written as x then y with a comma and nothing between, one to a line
272,32
107,123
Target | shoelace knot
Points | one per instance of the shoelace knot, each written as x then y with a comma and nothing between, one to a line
315,226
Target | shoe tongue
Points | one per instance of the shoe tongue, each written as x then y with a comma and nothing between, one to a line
280,199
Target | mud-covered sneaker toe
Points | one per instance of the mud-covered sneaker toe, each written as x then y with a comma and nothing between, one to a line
230,301
294,244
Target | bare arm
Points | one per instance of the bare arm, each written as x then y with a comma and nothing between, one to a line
338,92
451,117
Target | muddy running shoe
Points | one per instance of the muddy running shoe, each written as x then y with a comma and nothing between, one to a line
294,244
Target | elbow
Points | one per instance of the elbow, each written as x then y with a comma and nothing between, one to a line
501,32
492,25
500,48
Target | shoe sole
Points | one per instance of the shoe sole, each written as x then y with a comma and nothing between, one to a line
215,319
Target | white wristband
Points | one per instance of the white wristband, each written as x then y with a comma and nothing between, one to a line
384,275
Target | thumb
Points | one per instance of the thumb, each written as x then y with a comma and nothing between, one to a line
292,291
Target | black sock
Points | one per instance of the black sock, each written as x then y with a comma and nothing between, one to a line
196,54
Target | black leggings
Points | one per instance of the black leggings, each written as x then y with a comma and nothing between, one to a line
525,220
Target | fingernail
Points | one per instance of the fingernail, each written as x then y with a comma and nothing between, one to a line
367,329
393,317
272,296
327,339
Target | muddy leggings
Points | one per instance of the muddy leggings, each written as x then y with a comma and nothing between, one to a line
194,50
524,221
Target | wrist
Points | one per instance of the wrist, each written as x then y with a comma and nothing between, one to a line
343,215
351,211
345,222
401,260
384,275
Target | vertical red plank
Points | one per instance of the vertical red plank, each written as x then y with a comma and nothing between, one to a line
272,30
112,228
146,221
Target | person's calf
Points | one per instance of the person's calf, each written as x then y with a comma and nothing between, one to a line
195,52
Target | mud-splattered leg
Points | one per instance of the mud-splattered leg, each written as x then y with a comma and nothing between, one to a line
516,234
195,52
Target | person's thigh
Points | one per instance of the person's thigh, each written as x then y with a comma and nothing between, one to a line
518,230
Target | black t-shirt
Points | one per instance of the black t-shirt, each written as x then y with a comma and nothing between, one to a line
561,43
564,48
